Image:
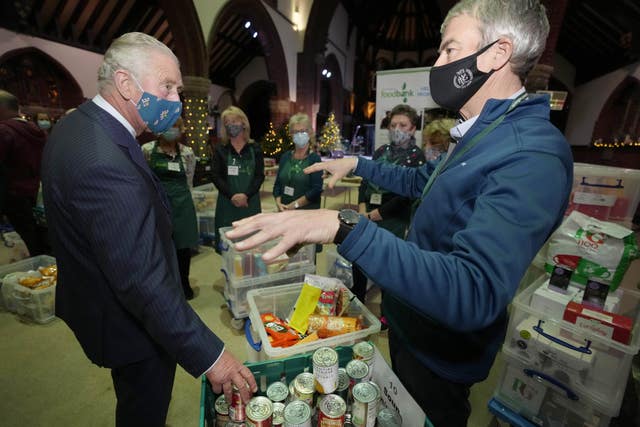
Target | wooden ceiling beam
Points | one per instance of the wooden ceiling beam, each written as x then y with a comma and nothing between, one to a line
79,27
117,22
153,22
162,31
46,13
65,15
97,26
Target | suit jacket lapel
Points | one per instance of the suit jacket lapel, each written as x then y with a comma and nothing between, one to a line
121,136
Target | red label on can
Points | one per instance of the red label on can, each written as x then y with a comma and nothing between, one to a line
326,421
236,409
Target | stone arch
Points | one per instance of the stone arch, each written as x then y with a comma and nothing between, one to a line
331,96
254,101
39,81
620,114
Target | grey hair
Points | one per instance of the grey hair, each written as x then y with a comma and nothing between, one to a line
524,22
130,52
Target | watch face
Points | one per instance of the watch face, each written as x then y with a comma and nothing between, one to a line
349,216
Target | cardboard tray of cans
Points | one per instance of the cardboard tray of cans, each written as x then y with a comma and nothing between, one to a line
590,364
285,370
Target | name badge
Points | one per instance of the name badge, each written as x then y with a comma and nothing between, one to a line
174,166
233,170
376,199
288,191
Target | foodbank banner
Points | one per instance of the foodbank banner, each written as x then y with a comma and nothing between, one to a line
406,86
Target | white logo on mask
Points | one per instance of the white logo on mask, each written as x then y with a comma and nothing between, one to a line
463,78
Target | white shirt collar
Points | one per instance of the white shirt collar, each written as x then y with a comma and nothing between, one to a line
102,103
458,131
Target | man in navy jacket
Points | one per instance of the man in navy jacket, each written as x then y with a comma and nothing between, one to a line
118,282
483,212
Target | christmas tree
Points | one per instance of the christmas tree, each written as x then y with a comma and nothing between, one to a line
330,135
275,142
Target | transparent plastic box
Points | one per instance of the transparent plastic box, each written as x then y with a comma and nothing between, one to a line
279,300
587,363
206,225
235,290
36,305
240,265
25,265
547,400
204,199
604,192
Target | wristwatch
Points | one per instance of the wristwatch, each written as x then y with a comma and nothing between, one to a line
296,205
348,219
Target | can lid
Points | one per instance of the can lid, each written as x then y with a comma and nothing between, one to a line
277,391
389,418
357,369
325,356
304,383
343,379
365,392
333,406
363,349
221,405
297,412
259,408
278,413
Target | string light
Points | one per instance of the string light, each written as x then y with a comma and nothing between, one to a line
627,143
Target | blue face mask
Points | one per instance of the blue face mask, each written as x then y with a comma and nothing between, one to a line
157,114
171,134
300,139
44,124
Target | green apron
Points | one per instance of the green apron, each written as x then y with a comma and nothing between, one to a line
292,175
226,212
173,178
395,225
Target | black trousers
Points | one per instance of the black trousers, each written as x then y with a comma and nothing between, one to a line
184,265
19,211
359,288
143,390
445,403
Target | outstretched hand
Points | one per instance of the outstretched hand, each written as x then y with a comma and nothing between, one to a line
337,168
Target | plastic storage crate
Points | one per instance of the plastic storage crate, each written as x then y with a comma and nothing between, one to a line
206,226
37,305
279,300
591,365
235,290
28,264
545,400
204,199
240,265
606,193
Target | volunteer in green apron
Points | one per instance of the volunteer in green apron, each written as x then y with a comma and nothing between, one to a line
174,165
294,189
238,172
389,210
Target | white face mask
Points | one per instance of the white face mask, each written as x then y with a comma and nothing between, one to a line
301,139
398,136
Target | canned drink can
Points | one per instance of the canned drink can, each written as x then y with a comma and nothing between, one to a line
278,414
222,411
343,384
297,414
325,370
259,412
332,410
237,407
364,410
388,418
277,391
303,387
364,351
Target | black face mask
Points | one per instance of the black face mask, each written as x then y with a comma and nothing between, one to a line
452,85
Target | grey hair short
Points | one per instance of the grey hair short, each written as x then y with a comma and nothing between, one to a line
129,52
524,22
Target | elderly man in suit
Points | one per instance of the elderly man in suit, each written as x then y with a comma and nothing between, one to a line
118,281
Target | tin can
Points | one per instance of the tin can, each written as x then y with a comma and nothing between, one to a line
303,387
222,411
325,370
278,414
297,414
364,351
332,409
364,410
277,391
237,407
259,412
388,418
343,384
292,391
237,266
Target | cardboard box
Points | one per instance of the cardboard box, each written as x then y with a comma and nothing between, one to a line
603,323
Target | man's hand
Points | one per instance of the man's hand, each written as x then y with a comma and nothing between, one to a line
374,215
293,226
337,168
228,372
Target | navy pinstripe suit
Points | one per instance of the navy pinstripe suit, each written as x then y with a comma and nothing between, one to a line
118,282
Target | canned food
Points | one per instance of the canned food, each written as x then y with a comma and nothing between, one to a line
303,387
297,414
236,409
366,396
332,409
278,414
364,351
222,411
277,392
343,383
389,418
292,391
325,370
357,370
259,412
